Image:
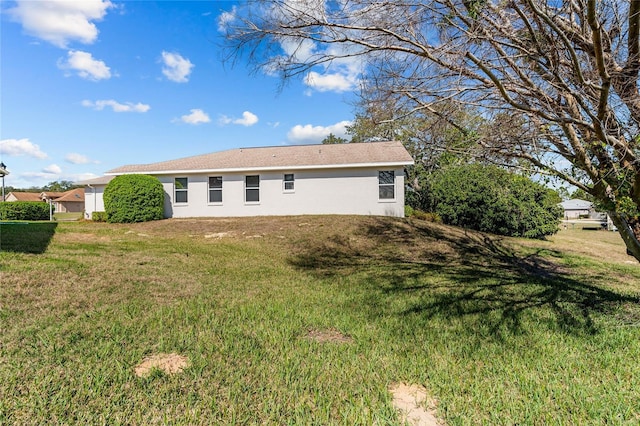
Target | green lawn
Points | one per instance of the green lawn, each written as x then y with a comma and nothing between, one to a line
68,216
499,331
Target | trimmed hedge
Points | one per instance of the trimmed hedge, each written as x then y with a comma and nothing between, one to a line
134,198
24,210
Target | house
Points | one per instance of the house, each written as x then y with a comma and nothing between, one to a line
575,208
23,196
69,201
94,188
357,178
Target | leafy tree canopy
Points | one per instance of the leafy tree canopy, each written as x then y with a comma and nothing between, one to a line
333,139
60,186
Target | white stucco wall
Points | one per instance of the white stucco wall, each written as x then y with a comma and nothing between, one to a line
93,201
315,192
352,191
575,214
336,191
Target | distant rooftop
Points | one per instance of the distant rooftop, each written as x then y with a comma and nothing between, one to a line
576,204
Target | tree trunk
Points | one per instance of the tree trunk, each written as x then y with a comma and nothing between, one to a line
629,230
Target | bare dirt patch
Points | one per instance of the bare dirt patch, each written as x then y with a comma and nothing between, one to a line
328,336
217,235
82,237
410,401
169,363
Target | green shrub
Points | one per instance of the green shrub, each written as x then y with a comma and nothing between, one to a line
490,199
428,216
134,198
408,211
99,216
24,210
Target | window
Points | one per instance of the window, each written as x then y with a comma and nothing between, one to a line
386,185
215,189
252,188
181,188
289,181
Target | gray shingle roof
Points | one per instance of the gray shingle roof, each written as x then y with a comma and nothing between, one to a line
102,180
576,204
281,158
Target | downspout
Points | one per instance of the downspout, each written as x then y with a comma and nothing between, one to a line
94,198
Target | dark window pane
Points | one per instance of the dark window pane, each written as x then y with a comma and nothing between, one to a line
215,182
288,186
181,196
252,181
253,195
215,196
386,178
386,192
288,177
181,183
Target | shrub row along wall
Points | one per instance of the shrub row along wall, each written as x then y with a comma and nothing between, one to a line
24,210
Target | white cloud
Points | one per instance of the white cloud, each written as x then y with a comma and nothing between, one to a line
315,134
75,158
197,116
226,18
116,106
176,68
43,177
52,169
19,147
248,119
85,65
330,82
60,21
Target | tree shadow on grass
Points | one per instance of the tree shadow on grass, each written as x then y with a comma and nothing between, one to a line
26,237
450,273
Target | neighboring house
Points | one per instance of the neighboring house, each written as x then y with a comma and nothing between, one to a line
575,208
353,178
69,201
23,196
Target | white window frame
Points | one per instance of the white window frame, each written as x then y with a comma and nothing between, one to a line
292,181
216,189
251,188
181,190
382,185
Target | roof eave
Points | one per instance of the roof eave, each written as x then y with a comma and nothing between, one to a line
264,169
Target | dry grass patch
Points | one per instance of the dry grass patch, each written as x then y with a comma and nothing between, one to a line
600,245
327,336
169,363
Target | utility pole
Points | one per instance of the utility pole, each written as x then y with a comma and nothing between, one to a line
3,172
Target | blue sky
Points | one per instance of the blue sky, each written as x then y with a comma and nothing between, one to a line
86,86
